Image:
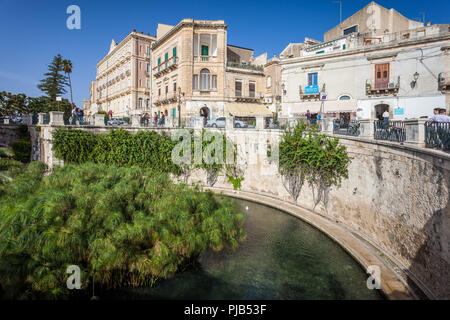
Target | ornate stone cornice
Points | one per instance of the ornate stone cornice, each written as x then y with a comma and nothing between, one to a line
189,23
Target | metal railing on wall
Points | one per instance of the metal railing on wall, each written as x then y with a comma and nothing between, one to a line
437,135
390,130
348,127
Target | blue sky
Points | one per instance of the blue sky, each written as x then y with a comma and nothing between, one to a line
32,32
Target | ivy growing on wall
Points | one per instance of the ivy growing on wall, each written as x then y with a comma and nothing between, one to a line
146,149
305,155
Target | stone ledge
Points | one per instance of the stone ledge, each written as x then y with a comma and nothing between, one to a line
393,286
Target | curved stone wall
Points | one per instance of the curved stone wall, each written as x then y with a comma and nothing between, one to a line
396,199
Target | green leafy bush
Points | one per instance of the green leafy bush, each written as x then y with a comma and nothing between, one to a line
122,227
22,150
307,155
146,149
7,163
105,114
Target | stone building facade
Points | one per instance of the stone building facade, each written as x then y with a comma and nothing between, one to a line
196,72
124,76
365,73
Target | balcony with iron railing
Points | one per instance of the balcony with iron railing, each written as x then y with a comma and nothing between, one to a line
204,58
165,67
251,98
165,99
382,89
311,93
250,67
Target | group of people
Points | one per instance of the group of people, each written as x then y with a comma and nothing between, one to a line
157,119
313,118
440,115
77,114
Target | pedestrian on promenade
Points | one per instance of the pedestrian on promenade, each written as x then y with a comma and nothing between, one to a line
80,116
386,118
73,118
308,117
439,116
162,120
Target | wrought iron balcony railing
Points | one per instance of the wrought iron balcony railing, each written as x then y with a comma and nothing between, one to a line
390,130
437,135
348,128
165,67
244,66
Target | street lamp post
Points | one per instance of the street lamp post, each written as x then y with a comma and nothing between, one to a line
179,106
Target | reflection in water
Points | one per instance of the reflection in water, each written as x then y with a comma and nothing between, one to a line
282,258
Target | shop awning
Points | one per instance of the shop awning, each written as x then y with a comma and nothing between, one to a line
341,106
248,110
334,106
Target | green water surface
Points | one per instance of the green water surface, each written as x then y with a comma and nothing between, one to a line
282,258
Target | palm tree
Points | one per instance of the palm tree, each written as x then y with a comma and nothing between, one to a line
67,67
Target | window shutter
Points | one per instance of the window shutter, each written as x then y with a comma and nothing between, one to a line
205,50
174,51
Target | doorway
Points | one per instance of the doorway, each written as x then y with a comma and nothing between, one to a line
379,109
381,75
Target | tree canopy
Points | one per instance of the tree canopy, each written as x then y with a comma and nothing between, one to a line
55,80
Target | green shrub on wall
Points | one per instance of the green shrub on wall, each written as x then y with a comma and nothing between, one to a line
22,150
146,149
307,155
74,146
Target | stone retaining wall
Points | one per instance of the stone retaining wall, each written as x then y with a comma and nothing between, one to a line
396,198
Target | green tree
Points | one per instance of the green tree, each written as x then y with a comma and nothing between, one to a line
10,103
67,67
54,82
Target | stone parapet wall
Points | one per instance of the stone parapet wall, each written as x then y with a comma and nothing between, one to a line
397,198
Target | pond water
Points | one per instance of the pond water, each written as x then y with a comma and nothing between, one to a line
282,258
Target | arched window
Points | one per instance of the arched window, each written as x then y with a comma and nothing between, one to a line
147,103
269,81
344,97
140,102
204,79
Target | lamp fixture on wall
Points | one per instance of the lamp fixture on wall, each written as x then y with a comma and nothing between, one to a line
414,82
283,86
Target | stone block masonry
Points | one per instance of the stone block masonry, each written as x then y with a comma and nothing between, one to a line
397,199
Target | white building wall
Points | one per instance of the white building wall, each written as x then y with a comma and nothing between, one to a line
347,75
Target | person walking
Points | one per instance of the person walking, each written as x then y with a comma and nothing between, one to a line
74,116
162,120
386,118
80,116
439,116
308,117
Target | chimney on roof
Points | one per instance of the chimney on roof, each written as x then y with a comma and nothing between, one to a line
428,23
134,30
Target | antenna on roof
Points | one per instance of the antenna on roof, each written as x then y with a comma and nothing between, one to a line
423,16
340,10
